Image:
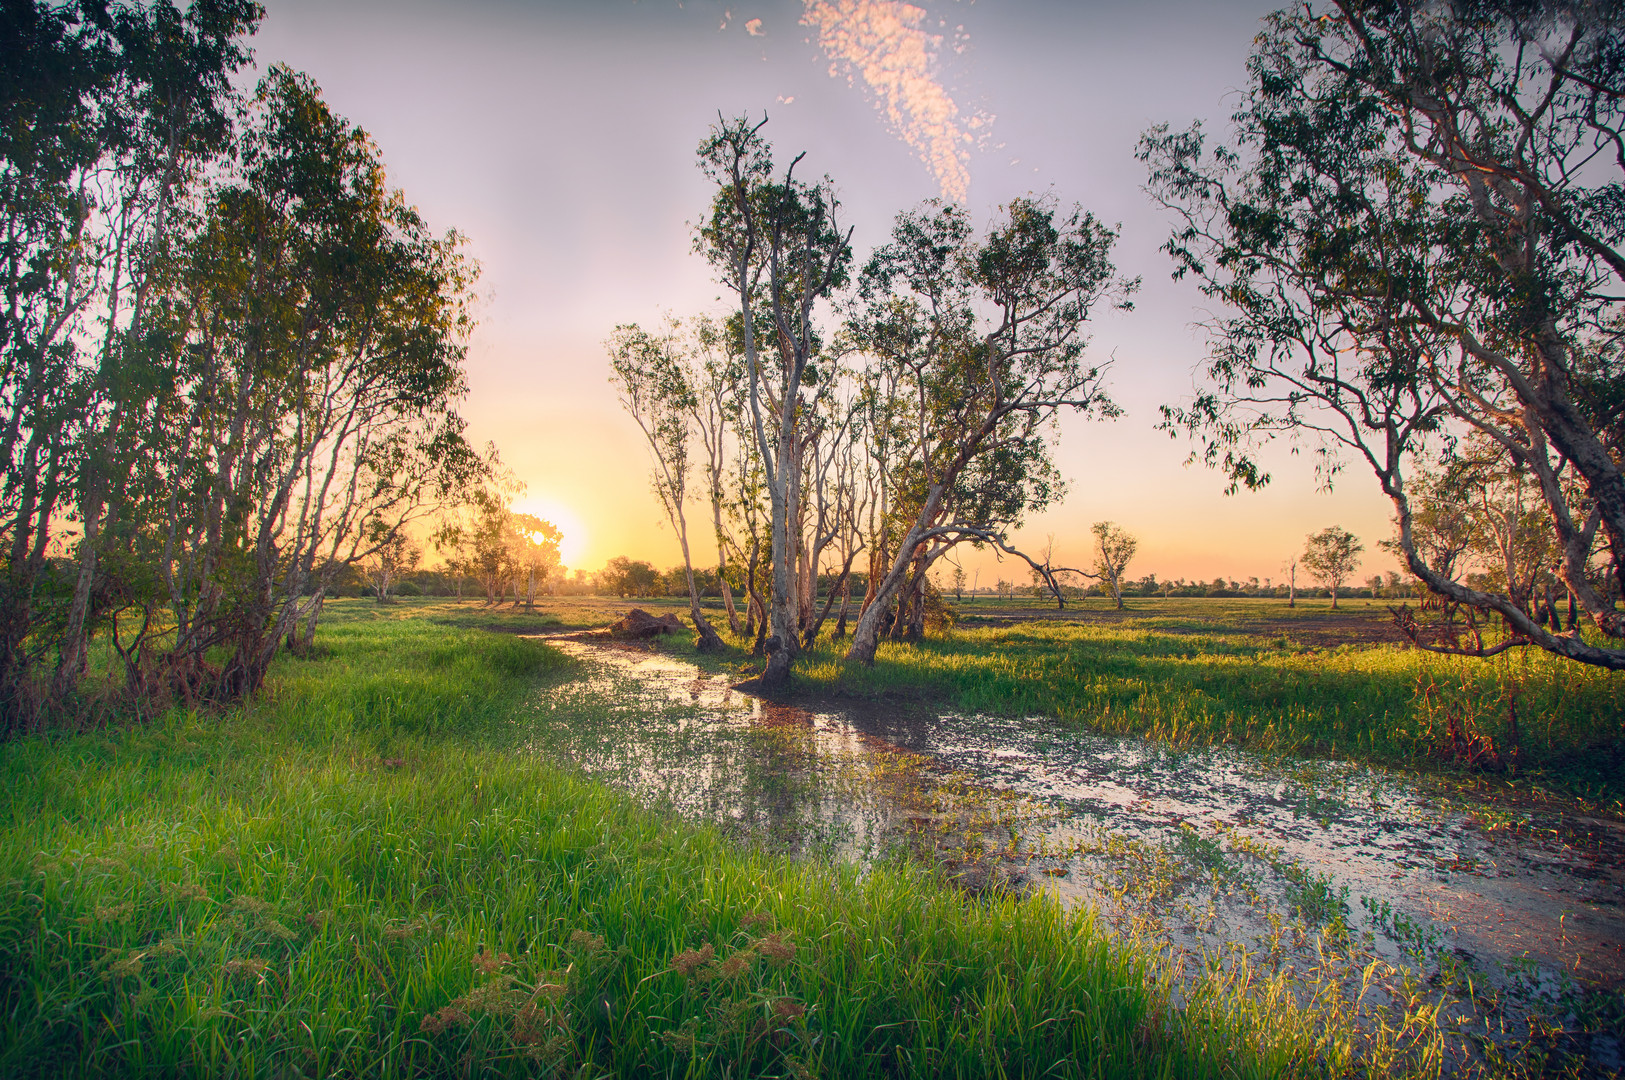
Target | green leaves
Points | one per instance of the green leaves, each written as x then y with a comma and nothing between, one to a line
1415,237
983,338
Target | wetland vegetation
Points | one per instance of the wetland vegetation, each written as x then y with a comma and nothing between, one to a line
408,858
851,828
357,874
1258,674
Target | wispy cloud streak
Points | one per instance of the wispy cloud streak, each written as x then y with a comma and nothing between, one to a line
887,44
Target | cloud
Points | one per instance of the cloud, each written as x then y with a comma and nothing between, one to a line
754,28
886,43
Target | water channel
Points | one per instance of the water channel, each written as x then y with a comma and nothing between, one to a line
1196,850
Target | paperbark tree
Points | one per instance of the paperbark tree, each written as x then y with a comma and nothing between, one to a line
1417,237
717,378
109,115
1482,524
628,577
656,389
311,337
983,339
377,476
837,495
486,541
533,552
1047,577
777,245
753,520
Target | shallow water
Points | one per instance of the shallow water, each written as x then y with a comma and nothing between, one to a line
1199,848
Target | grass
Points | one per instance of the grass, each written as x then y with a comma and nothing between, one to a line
1254,673
350,878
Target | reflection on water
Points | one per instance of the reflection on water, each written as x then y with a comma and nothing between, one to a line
776,775
1196,848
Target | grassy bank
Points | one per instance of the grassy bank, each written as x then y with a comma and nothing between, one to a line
1254,673
346,878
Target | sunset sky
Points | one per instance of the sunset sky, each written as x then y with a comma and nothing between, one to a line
560,137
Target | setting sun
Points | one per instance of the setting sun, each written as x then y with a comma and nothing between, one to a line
1106,546
573,543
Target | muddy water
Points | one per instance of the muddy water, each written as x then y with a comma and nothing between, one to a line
1197,848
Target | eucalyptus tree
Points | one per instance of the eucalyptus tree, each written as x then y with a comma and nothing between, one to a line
752,520
776,244
1417,237
374,479
1479,522
483,537
1114,549
1331,556
168,120
982,339
1442,530
392,558
656,389
533,552
839,495
110,112
1048,576
832,449
884,427
481,541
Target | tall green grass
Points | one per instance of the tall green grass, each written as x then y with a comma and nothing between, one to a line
347,879
1237,679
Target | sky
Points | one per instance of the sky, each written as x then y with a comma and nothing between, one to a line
559,138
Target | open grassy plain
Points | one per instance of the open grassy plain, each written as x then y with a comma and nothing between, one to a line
358,876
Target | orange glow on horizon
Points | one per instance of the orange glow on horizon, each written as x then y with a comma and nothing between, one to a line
574,539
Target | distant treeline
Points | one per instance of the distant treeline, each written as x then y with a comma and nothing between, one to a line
637,579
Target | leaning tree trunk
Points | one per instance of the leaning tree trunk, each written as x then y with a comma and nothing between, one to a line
302,638
866,637
707,639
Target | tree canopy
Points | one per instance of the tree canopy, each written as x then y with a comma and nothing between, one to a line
231,361
1415,237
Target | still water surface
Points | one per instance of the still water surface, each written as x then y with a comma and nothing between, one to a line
1195,847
